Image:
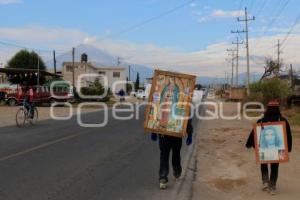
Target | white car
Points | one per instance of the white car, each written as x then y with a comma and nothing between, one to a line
141,94
197,96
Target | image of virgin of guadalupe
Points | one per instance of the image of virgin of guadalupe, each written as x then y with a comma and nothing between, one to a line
169,97
271,143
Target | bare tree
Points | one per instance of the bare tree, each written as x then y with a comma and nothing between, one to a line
272,68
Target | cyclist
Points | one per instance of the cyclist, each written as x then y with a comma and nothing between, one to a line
28,101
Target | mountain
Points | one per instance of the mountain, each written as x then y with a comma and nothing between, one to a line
242,79
101,58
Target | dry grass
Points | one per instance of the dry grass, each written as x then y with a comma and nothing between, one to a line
293,116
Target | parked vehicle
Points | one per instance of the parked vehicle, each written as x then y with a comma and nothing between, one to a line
141,94
41,94
197,96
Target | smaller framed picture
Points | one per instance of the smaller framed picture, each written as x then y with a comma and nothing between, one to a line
271,142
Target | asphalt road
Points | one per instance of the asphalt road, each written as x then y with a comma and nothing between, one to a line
60,160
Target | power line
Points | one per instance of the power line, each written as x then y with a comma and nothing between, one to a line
147,21
241,4
261,7
277,15
140,24
290,31
5,43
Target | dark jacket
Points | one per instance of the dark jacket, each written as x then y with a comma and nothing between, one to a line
250,142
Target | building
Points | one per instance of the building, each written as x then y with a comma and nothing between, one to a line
112,74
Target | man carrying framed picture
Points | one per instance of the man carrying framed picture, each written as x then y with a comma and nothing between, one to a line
271,147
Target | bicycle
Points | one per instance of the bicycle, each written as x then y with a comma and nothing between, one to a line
23,115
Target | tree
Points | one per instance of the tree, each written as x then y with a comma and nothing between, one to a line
95,89
272,68
137,82
268,89
26,60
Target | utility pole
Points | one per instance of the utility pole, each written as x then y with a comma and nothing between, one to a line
292,76
54,62
278,58
38,74
237,43
119,61
246,30
129,69
73,64
232,64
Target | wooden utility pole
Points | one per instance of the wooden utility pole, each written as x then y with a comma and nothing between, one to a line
73,67
237,43
54,62
246,30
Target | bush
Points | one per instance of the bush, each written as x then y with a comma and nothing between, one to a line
96,89
269,89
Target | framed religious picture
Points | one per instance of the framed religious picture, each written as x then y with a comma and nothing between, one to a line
271,144
169,107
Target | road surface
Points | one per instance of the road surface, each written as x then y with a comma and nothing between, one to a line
60,160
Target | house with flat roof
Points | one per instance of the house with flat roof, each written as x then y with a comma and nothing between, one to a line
86,72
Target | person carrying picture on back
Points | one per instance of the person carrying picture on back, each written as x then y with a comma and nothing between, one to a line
272,114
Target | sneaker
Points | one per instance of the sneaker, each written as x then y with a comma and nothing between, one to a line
265,187
163,185
272,191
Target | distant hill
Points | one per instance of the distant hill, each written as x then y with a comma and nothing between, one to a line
103,59
214,80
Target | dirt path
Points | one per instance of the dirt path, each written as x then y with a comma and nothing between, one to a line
227,170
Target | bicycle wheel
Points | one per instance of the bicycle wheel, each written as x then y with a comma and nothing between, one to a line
21,117
33,120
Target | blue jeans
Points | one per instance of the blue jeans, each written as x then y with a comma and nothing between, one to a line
30,108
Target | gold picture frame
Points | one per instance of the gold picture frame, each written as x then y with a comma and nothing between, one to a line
169,102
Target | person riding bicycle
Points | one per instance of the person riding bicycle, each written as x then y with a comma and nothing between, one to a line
28,101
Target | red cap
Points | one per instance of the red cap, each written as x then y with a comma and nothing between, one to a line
273,103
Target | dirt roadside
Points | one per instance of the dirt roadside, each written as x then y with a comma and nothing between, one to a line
227,170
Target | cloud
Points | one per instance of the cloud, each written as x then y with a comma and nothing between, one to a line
193,5
225,14
206,14
205,62
5,2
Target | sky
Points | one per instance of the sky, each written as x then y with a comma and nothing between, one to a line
182,35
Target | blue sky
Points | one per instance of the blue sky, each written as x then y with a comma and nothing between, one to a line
191,29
